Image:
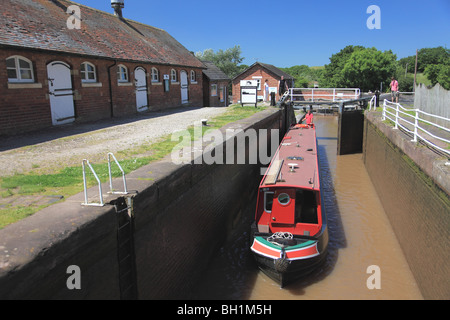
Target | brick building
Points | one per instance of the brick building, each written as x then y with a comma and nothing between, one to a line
215,84
53,73
261,72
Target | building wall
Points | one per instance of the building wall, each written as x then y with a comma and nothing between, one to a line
257,72
26,107
214,101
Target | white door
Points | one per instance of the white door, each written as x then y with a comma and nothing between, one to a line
141,90
184,87
60,93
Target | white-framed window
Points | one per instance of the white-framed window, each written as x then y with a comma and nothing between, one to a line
155,75
193,77
122,73
173,75
19,69
88,73
214,90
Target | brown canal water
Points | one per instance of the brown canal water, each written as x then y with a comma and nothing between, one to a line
360,236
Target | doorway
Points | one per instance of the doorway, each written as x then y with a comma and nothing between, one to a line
60,93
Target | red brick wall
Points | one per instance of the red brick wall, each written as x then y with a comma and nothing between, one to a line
214,101
256,71
27,109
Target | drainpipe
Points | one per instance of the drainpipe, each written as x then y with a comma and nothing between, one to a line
110,89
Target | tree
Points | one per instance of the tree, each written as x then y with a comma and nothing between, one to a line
439,73
367,68
303,75
425,57
332,74
227,60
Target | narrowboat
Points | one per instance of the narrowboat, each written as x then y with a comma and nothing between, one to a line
289,234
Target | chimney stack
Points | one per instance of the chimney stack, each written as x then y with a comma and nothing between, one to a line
117,5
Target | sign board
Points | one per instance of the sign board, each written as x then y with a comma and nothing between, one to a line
249,92
249,83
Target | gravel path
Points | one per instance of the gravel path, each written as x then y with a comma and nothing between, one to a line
69,145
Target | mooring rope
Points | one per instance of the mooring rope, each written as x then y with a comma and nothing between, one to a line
279,235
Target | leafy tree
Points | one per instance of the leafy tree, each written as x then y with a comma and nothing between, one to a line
444,76
367,68
439,73
332,74
303,75
426,57
227,60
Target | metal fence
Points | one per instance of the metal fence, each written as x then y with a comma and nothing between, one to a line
422,125
323,94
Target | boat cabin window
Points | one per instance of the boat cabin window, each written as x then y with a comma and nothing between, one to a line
268,201
284,199
305,207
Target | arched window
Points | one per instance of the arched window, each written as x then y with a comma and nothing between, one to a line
19,69
122,73
88,73
193,76
173,75
155,75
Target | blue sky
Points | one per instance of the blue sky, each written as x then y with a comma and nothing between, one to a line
293,32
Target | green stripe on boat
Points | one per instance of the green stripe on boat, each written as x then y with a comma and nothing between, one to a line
298,246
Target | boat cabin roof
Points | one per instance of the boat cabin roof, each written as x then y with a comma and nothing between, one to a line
295,163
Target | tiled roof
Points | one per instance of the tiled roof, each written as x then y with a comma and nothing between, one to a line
213,72
274,70
42,24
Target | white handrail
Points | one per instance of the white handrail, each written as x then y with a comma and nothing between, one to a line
86,201
332,94
394,112
110,175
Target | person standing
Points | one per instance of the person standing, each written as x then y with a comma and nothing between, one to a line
283,86
394,89
266,91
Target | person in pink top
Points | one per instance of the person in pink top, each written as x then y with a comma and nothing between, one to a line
394,89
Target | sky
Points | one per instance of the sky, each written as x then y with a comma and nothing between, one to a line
294,32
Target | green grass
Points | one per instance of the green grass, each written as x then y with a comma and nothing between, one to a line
69,181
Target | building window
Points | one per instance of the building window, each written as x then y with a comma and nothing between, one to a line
173,75
122,74
155,75
19,69
193,77
88,72
214,90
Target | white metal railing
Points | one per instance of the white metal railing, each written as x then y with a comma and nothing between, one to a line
86,200
111,190
101,203
413,123
373,103
327,94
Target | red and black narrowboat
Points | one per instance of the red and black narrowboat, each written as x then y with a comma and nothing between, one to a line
289,234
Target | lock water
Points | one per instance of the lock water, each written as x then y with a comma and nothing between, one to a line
360,237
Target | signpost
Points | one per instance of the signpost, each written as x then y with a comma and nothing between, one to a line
249,92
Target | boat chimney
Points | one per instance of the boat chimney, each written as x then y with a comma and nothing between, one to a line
117,5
